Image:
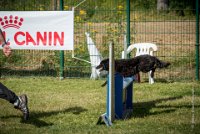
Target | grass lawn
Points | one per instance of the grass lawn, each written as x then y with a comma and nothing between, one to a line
74,105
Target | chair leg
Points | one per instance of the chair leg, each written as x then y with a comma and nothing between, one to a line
94,74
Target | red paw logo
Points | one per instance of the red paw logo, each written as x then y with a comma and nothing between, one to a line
11,21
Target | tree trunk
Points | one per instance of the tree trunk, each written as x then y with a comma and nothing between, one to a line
162,4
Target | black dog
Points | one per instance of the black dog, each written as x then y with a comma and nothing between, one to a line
130,67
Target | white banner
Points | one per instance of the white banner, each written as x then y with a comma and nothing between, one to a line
44,30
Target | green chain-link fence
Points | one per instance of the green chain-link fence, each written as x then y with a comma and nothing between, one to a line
173,30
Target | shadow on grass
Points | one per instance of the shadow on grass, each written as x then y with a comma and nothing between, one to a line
142,109
34,116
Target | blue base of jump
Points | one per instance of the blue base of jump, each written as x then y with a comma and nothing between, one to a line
104,119
123,99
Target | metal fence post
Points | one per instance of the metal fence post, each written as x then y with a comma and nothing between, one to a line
128,24
197,39
61,52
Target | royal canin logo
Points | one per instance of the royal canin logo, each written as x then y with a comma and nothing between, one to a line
11,21
25,38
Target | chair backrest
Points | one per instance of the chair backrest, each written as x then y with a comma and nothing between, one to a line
95,56
142,48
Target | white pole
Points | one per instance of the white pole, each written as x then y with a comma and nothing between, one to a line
125,47
79,4
111,83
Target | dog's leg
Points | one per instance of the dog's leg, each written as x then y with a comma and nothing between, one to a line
152,72
151,76
104,84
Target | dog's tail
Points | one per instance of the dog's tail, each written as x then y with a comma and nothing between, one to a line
161,64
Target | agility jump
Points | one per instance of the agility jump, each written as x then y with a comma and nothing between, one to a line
119,94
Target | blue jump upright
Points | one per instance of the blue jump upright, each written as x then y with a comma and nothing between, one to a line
123,99
123,96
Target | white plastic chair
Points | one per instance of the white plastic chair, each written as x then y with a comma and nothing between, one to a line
95,57
141,49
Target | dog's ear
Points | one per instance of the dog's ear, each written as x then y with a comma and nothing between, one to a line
104,59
